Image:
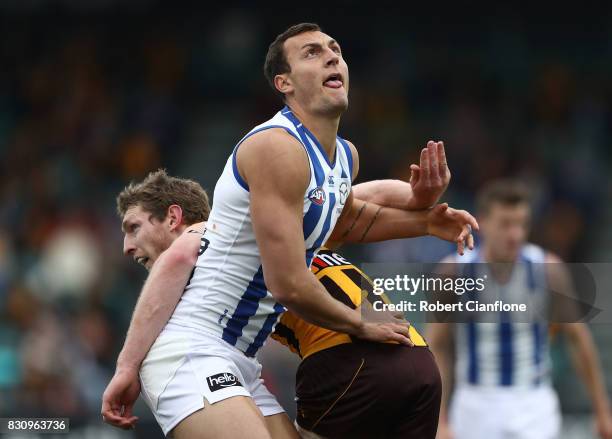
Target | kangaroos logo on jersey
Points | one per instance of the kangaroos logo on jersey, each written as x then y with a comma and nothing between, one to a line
344,193
317,196
221,381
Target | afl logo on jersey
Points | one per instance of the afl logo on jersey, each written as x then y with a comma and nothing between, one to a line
317,196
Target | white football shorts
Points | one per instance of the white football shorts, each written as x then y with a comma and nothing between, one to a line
505,413
182,369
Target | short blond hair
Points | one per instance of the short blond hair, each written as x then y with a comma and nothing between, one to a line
158,191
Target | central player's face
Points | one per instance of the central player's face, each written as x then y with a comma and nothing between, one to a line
505,229
145,238
319,75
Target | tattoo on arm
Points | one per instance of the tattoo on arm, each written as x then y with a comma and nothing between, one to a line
352,226
371,223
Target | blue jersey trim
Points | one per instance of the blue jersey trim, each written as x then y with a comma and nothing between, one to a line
506,352
319,242
349,157
300,127
246,308
237,175
537,352
263,333
311,219
472,338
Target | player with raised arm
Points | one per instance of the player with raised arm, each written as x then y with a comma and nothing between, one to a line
284,190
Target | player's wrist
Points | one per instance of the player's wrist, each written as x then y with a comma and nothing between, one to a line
359,327
127,366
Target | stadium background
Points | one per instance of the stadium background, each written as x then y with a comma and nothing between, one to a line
96,93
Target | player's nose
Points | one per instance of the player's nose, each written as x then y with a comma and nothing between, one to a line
332,58
128,246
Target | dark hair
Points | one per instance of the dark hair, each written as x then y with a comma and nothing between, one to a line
508,192
158,191
276,61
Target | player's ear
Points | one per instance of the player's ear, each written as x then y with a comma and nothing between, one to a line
283,83
174,216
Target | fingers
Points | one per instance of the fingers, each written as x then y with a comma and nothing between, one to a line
434,173
401,333
425,169
465,217
442,164
111,414
460,247
439,209
470,241
415,174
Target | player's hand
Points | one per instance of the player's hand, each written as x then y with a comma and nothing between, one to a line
119,398
386,332
430,178
452,225
603,426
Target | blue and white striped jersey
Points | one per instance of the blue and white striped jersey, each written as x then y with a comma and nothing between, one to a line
227,294
506,353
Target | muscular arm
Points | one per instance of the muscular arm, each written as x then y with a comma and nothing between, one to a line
160,294
364,221
389,193
275,167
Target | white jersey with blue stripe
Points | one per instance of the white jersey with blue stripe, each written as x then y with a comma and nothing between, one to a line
227,294
506,353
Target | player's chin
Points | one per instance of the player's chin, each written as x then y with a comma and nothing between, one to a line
336,102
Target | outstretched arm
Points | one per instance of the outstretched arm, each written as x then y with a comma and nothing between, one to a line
368,222
428,181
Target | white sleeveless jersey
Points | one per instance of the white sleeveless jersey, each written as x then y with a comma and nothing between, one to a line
506,353
227,294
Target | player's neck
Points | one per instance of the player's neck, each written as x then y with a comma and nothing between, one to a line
323,127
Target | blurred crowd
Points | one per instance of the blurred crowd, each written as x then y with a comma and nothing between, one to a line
91,99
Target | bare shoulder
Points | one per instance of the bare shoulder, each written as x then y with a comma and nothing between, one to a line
270,143
275,159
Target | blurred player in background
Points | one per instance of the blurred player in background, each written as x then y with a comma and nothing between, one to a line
502,385
284,192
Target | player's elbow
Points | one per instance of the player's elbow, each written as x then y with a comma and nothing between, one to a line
175,257
286,289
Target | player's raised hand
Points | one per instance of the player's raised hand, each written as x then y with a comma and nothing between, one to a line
430,178
452,225
119,398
